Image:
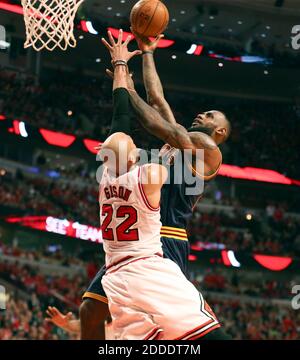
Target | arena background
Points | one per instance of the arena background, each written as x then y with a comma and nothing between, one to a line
237,56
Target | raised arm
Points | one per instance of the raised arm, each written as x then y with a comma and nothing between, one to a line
175,134
170,132
120,56
152,82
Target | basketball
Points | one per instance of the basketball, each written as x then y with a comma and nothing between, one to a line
149,17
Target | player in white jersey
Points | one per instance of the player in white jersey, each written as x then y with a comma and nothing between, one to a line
149,297
126,215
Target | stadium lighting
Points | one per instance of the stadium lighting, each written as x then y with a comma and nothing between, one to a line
56,138
91,145
232,259
229,258
255,174
87,26
22,128
192,49
274,263
249,217
90,28
232,171
195,49
90,233
17,9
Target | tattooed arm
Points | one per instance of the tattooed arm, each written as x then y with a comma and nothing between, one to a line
175,134
152,82
154,89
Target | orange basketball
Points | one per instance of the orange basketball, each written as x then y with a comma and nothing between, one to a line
149,17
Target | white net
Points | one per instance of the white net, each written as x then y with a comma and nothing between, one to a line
50,23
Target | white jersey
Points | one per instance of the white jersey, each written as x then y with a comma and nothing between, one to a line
130,225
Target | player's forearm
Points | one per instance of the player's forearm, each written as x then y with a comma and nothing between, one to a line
121,111
156,125
151,79
154,89
149,118
175,135
73,326
120,74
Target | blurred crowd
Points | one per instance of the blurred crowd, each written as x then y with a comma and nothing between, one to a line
237,284
24,318
270,231
255,321
84,108
54,254
29,278
37,196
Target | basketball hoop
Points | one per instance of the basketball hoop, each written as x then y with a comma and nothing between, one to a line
50,23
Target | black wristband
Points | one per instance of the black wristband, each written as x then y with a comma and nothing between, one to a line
148,52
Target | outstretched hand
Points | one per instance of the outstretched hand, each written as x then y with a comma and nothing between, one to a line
144,43
119,50
57,318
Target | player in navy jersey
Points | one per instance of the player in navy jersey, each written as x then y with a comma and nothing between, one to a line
208,130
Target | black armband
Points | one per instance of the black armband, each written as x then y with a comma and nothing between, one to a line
121,112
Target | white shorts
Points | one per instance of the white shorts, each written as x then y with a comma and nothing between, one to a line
151,299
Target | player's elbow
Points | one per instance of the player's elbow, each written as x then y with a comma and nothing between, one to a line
156,101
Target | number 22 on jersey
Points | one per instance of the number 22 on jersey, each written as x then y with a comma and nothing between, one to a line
123,230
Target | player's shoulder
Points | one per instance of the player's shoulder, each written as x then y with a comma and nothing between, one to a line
153,174
203,140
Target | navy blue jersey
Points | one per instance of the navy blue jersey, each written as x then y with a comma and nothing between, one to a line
176,209
176,205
